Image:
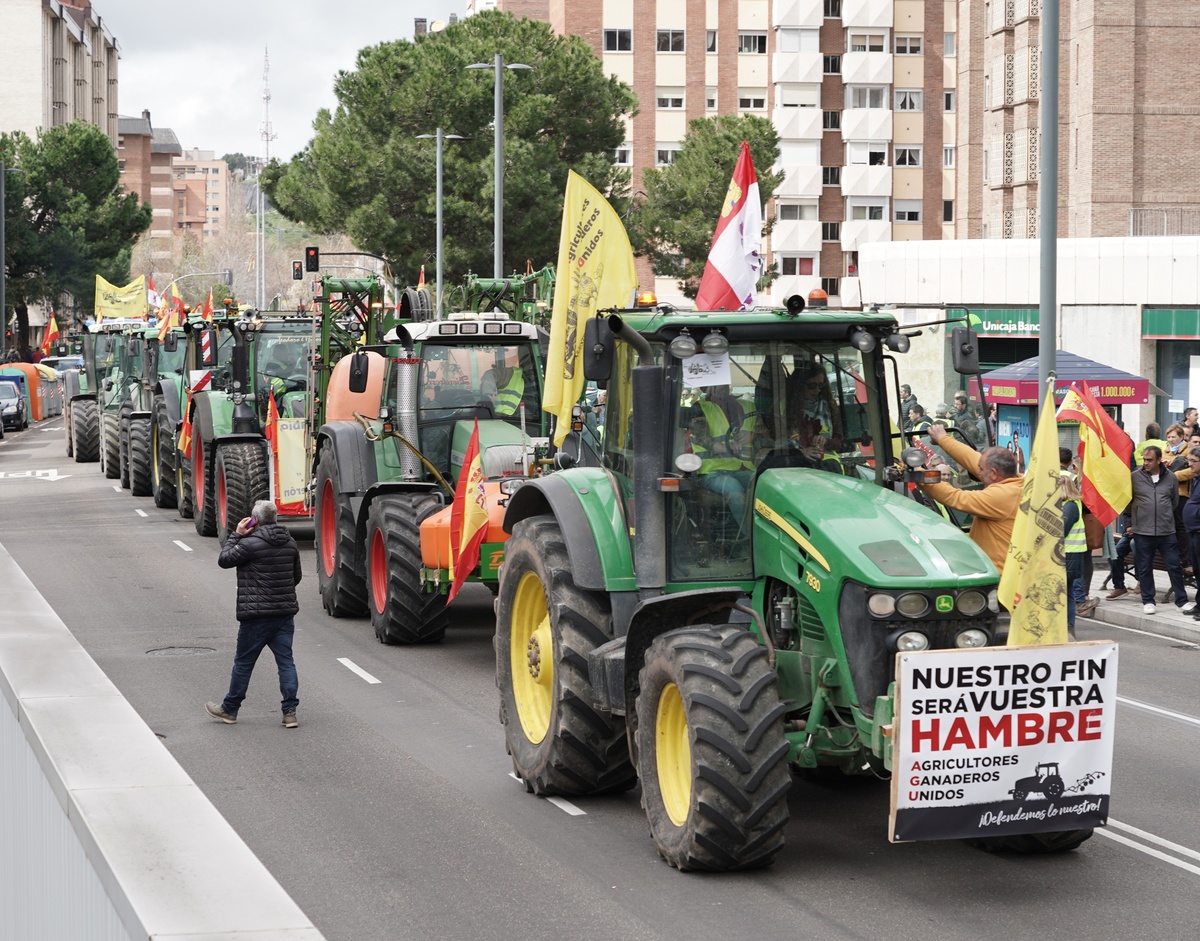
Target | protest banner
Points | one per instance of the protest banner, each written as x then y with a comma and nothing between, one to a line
1003,740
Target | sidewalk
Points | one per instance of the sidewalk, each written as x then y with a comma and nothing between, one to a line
1126,611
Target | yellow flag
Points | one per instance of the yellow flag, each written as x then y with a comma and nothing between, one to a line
1034,584
595,271
112,301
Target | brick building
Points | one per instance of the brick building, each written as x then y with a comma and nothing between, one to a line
145,155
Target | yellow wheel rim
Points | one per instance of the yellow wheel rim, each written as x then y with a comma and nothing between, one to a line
531,658
674,755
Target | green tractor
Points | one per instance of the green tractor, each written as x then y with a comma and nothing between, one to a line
528,297
392,450
93,397
160,367
723,601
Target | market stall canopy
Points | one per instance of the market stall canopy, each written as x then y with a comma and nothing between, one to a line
1018,384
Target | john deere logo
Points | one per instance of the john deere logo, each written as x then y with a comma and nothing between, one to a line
944,603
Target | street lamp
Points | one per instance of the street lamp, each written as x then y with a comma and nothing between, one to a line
499,67
439,137
4,172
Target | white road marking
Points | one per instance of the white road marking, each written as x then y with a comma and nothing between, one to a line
117,487
1179,716
141,512
184,546
1134,630
1116,838
355,668
566,806
1151,838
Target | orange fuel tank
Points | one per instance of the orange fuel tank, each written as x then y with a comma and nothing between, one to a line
435,531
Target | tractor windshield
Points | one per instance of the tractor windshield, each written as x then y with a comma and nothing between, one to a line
495,378
281,365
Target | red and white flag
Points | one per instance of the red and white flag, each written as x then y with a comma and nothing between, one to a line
734,264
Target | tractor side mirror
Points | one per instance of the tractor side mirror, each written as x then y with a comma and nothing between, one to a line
360,366
170,343
597,350
964,348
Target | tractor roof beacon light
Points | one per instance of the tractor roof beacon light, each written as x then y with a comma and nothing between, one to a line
647,299
818,298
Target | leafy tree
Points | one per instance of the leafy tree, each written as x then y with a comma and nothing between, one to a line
68,219
238,161
673,224
366,174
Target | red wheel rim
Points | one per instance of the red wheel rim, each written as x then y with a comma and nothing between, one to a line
328,528
379,577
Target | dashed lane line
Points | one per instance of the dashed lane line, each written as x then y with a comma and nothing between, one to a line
141,513
564,805
1177,716
117,487
355,668
182,545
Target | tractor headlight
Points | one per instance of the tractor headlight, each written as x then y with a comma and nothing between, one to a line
993,602
912,605
971,637
909,641
881,605
971,603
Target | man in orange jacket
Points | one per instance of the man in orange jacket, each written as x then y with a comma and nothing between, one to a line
995,506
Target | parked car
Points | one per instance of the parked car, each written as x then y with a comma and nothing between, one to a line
63,363
12,406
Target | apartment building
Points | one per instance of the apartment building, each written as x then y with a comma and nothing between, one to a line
145,157
202,192
58,64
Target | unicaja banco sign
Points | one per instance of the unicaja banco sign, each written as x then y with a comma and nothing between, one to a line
1025,322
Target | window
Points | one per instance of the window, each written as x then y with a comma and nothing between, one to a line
795,265
987,91
623,156
831,176
947,210
833,9
755,43
948,100
949,47
664,154
830,286
868,96
907,210
948,157
752,99
908,156
831,231
795,211
797,95
618,40
866,42
984,165
866,153
831,120
867,212
908,99
669,40
908,45
710,98
669,98
832,65
710,40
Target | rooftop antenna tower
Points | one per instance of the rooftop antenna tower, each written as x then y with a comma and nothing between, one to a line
267,135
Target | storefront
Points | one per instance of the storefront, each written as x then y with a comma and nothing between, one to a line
1177,358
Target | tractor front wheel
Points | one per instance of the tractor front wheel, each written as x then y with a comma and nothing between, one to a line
1059,841
241,481
162,454
123,446
110,446
204,517
67,428
343,588
141,457
402,610
85,431
712,756
545,628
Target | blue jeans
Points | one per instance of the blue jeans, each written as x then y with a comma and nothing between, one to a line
1074,584
253,636
732,486
1144,548
1116,567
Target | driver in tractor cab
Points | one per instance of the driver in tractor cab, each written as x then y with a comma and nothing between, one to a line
817,428
504,386
286,363
712,426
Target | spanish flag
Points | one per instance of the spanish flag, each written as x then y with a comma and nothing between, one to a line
595,271
50,336
468,516
1034,584
1105,450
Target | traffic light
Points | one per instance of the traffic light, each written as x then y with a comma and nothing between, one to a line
312,258
297,271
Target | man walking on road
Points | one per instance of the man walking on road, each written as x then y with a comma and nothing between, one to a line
268,571
1155,494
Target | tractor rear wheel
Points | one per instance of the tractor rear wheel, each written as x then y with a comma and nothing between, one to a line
1060,841
67,428
402,611
123,446
141,457
241,481
712,756
204,517
343,588
162,454
545,628
110,446
85,430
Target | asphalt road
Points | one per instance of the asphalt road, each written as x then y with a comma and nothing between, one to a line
391,813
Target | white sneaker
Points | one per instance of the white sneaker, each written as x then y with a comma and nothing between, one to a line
1148,609
1187,608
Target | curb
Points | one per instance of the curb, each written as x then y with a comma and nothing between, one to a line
1168,627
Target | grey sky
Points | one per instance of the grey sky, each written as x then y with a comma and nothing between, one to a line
198,67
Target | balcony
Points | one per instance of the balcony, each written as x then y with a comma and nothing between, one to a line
800,181
873,13
798,123
858,232
867,68
861,180
798,67
796,235
798,12
867,124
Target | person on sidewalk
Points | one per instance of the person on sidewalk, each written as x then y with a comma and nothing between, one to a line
268,570
1191,513
1074,542
995,506
1122,547
1155,493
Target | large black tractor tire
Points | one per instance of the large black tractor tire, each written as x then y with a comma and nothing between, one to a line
183,486
162,455
110,446
343,586
123,446
141,457
402,610
85,431
712,756
67,431
1032,844
241,481
545,628
204,515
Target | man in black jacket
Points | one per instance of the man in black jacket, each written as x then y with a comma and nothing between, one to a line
268,571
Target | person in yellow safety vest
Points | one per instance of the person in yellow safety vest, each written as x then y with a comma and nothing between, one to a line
708,433
505,386
1074,540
